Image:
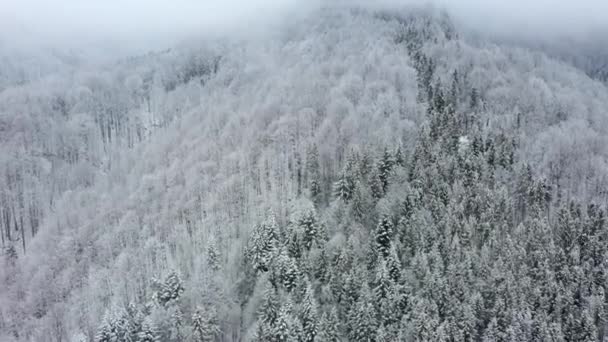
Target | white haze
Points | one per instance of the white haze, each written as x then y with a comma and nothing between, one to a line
76,21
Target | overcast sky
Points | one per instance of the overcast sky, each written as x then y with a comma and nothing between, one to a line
93,19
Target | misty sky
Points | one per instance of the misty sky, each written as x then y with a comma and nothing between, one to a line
54,19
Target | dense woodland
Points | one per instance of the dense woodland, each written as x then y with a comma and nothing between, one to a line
361,175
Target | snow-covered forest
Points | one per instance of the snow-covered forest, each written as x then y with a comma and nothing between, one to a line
358,175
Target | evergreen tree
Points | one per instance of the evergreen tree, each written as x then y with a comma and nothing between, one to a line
383,236
399,156
361,204
393,264
420,324
213,256
288,270
170,290
362,319
586,330
268,314
329,327
204,325
148,332
311,228
115,327
308,315
314,173
385,166
262,244
282,328
492,334
474,104
342,188
375,184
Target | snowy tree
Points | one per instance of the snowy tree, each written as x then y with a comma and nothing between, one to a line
342,188
170,290
204,325
308,315
148,332
329,327
262,244
383,236
213,256
362,321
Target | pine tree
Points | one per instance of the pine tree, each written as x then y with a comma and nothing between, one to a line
311,229
105,333
268,314
382,335
454,89
474,99
350,289
365,165
314,173
282,327
115,327
587,331
170,290
382,283
329,327
393,264
491,333
175,324
361,204
308,315
204,325
383,236
524,187
262,244
363,322
148,332
136,318
386,296
375,184
399,157
342,188
213,256
385,166
288,270
422,321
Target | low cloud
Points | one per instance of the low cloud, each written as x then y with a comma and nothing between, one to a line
74,20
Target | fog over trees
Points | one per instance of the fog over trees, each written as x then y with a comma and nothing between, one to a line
354,173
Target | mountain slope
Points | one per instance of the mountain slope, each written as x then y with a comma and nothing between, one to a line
365,174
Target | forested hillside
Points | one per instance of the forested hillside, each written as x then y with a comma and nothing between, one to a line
358,175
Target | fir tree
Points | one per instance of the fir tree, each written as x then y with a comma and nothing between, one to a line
383,236
310,227
170,290
268,314
375,184
399,157
282,327
115,327
308,315
213,256
385,166
362,320
262,244
204,325
148,332
314,173
329,327
288,270
342,188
